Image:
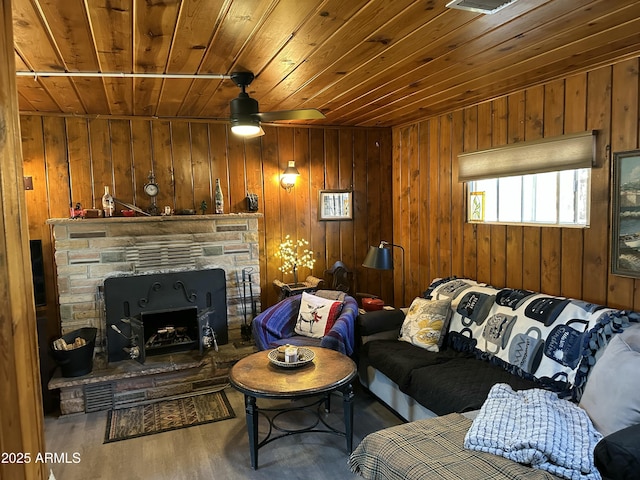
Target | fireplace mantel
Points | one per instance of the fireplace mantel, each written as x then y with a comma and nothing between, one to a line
87,251
153,225
152,219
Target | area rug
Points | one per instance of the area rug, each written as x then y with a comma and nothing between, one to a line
167,415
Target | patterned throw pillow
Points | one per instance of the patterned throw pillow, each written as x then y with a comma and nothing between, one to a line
426,323
316,315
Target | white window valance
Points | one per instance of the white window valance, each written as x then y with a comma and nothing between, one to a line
566,152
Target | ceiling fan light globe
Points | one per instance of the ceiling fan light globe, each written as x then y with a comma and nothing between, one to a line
245,129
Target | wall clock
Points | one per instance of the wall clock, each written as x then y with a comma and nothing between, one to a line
151,189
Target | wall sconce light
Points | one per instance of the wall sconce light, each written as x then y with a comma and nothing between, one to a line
289,176
381,258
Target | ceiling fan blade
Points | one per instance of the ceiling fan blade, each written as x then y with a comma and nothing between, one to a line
301,114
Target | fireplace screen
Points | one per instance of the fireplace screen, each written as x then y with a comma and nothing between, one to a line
165,313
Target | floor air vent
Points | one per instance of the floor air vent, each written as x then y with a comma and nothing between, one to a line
98,397
481,6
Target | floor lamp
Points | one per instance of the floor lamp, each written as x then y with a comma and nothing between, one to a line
381,258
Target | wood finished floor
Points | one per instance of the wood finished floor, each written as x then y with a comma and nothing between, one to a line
216,451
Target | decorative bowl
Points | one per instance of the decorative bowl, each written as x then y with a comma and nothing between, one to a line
305,356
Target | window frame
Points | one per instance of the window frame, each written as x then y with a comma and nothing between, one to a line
468,191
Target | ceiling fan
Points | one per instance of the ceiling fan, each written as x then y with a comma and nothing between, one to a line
246,117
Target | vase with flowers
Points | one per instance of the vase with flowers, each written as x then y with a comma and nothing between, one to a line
294,255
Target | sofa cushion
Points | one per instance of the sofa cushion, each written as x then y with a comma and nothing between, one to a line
397,359
617,456
425,323
372,323
611,403
458,385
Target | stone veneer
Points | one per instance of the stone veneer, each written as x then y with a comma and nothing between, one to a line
87,251
127,383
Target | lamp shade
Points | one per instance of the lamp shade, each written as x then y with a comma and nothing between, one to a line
289,176
380,258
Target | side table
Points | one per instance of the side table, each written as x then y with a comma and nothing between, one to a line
311,284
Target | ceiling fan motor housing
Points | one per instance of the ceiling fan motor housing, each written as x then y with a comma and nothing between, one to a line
244,115
243,106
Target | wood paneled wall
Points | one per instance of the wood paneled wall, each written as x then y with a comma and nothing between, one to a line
429,203
21,413
71,159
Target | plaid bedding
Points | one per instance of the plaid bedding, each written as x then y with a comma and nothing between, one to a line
432,449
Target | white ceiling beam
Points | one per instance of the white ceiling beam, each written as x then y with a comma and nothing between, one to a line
199,76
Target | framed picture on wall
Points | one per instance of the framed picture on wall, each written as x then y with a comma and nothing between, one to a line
476,207
625,224
335,205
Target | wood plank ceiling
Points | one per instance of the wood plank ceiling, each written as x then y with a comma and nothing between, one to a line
361,62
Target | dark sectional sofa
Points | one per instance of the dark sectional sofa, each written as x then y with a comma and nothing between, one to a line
417,383
495,336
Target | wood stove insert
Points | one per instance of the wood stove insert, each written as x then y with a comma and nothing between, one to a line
165,312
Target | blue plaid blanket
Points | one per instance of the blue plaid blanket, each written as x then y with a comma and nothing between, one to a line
278,321
535,427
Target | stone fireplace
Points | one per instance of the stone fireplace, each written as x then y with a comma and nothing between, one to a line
90,251
192,270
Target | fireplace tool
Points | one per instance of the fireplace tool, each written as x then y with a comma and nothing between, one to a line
209,338
133,349
245,328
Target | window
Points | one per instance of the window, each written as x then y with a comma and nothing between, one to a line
539,182
550,198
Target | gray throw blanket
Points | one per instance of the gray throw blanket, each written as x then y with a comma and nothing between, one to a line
535,427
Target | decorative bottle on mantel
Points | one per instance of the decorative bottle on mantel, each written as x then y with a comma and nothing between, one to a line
219,198
107,203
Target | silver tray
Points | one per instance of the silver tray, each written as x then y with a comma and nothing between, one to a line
306,356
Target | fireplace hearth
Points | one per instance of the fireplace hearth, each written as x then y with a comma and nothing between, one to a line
164,313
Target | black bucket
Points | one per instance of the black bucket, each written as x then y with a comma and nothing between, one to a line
79,361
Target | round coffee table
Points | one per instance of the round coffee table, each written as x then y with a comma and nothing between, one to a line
256,377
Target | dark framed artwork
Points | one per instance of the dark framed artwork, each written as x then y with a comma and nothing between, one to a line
335,205
625,222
